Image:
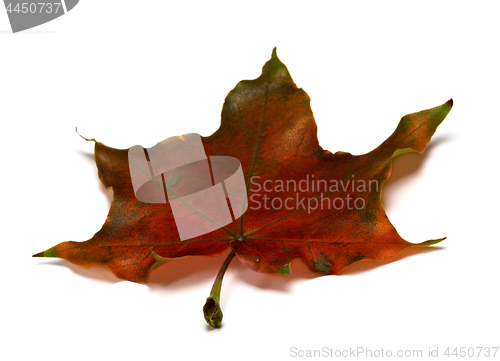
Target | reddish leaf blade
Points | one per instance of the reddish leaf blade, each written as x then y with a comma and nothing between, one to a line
267,124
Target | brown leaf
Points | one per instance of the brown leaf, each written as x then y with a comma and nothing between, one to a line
303,202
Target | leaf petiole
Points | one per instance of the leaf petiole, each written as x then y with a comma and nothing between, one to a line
211,309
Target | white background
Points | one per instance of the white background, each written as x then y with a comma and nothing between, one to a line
136,72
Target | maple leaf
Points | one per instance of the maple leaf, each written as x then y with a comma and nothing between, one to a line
303,201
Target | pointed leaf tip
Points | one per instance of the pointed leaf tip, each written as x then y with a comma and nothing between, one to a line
285,270
430,242
47,253
276,72
88,140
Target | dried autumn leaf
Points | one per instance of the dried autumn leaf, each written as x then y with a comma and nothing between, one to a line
304,202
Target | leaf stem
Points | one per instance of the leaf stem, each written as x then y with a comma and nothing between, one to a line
211,309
